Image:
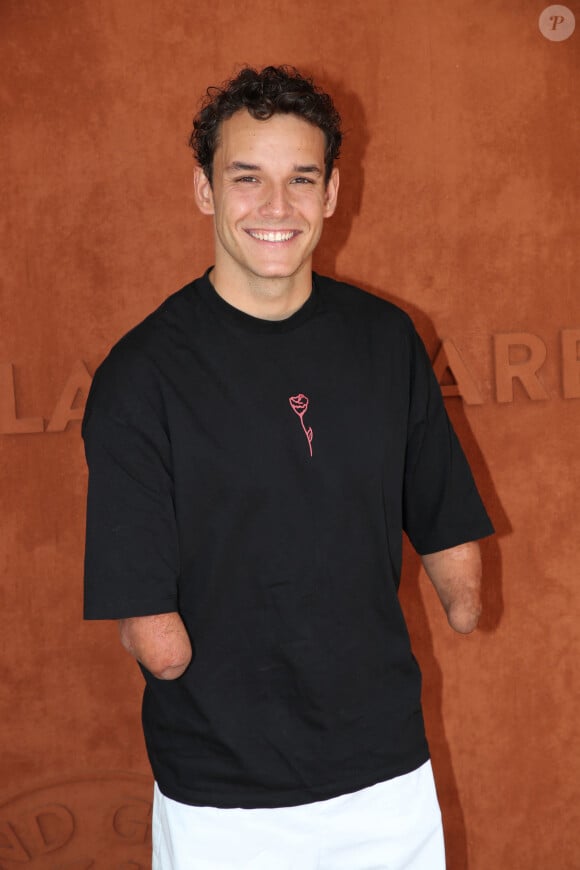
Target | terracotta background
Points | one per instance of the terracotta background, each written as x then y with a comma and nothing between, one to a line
460,188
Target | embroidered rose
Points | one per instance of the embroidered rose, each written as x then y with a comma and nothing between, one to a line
299,405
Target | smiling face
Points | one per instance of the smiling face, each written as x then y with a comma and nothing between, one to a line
269,201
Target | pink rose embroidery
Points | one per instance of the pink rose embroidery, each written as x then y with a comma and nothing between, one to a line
299,405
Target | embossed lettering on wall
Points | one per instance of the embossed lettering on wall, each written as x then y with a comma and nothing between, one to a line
98,823
68,406
517,358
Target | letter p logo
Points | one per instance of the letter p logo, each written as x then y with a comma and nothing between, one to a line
557,23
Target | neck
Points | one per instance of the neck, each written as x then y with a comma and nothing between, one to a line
264,298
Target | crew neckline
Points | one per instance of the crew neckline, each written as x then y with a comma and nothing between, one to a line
247,321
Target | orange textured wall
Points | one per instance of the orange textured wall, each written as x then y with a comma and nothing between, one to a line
460,190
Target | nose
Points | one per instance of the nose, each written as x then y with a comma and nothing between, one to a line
276,201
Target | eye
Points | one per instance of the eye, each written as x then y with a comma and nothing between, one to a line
246,179
302,179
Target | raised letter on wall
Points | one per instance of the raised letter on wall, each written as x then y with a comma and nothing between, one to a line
571,363
526,371
10,424
448,359
79,381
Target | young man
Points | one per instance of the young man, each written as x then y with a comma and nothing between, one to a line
256,447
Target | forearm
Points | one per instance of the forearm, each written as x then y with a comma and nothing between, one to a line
456,575
159,642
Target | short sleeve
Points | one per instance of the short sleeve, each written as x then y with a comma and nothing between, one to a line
441,505
131,554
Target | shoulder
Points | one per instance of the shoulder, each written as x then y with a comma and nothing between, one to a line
361,305
127,382
150,335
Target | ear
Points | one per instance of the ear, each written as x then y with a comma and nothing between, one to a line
203,191
331,193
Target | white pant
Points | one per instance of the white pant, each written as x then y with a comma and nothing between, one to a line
395,825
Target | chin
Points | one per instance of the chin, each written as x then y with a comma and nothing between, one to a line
278,270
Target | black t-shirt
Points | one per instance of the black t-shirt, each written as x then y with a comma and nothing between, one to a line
256,476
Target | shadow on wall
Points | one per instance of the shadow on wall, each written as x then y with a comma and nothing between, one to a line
355,141
417,619
418,622
416,613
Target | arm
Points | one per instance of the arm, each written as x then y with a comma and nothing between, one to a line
456,575
159,642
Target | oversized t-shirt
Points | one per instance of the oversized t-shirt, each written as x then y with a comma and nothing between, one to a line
256,476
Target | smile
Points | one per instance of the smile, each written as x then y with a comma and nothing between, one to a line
278,236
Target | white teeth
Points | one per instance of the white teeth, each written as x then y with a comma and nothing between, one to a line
271,237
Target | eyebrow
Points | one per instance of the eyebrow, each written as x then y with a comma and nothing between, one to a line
312,168
239,166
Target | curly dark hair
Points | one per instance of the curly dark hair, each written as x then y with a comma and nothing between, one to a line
266,92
